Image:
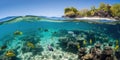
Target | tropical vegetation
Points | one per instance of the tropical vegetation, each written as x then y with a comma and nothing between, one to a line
104,10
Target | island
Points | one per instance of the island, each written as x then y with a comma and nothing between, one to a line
108,11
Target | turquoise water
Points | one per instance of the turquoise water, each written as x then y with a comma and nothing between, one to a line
41,34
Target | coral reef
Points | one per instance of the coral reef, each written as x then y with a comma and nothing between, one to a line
60,45
81,42
96,53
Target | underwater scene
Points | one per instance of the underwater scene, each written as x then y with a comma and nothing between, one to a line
43,38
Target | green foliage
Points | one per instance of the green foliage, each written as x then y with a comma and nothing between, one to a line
107,7
89,13
115,10
70,9
67,10
69,13
93,8
102,6
83,12
74,9
104,9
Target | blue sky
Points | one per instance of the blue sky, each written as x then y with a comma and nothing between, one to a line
45,7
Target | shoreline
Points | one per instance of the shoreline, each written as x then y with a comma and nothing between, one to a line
95,18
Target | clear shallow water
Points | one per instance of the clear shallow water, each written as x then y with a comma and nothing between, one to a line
55,33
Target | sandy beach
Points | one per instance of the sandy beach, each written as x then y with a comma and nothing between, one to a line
95,18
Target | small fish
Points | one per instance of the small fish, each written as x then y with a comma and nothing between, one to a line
84,42
18,33
55,32
40,29
117,42
70,32
90,41
116,47
31,45
78,46
10,54
46,30
3,47
50,48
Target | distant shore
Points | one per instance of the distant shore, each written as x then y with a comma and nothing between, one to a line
102,12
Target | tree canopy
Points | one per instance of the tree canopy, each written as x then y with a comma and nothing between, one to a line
70,11
115,10
104,10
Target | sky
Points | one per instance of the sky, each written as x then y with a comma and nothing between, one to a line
48,8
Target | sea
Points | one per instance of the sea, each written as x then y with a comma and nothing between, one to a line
57,38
